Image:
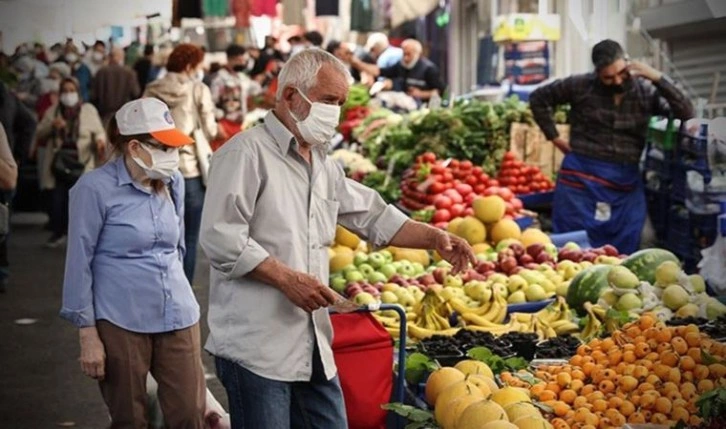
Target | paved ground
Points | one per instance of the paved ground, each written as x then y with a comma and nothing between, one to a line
41,384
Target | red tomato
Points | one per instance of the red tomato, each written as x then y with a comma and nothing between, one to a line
538,177
507,165
429,157
525,189
470,198
454,164
517,163
509,208
492,190
476,171
522,180
437,169
448,177
438,178
442,202
479,188
441,215
535,187
469,211
483,177
457,210
436,188
471,180
466,165
464,189
506,194
455,196
449,185
517,203
492,182
509,156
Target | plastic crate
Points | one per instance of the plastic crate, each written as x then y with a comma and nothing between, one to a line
663,168
678,235
658,203
679,183
704,228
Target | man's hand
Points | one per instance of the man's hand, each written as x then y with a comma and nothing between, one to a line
562,145
59,123
636,68
455,250
415,92
308,293
93,353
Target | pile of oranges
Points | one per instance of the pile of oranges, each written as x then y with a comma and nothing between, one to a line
645,373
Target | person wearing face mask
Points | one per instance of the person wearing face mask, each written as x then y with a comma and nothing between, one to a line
79,70
75,128
234,74
193,110
599,186
50,85
124,286
274,201
415,75
96,57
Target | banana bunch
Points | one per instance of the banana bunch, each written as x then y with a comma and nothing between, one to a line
559,317
494,310
594,324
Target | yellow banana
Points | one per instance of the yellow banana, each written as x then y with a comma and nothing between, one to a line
479,320
443,322
502,313
395,332
502,329
562,327
417,332
460,307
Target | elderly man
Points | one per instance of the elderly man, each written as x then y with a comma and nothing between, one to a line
274,202
414,74
381,50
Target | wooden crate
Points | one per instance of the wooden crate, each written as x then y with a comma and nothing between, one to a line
530,145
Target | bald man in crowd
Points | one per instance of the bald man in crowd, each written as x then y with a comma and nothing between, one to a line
415,75
113,86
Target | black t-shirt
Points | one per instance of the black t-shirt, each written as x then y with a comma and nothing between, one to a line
424,75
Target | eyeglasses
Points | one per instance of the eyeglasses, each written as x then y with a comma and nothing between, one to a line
158,146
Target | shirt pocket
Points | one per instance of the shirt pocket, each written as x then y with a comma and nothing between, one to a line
326,217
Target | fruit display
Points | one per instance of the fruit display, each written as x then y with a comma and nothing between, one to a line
521,178
558,347
646,372
353,162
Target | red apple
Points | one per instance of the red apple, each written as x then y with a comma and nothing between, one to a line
517,248
525,259
543,257
610,250
535,249
507,264
532,266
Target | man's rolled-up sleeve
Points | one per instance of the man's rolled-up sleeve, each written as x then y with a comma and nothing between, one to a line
363,211
234,183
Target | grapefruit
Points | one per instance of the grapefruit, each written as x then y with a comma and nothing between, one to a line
478,414
510,395
472,230
440,380
453,392
532,236
489,209
470,366
505,229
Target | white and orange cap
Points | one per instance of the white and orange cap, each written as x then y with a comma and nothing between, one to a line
150,116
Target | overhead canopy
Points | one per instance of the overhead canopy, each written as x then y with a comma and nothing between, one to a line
50,21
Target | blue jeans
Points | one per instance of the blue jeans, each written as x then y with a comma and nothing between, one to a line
257,402
193,203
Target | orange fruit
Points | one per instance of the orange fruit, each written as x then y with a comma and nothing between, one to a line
568,396
560,408
687,363
587,368
615,356
641,349
674,375
700,372
587,390
663,347
693,339
636,418
626,408
679,345
615,402
564,379
705,385
580,402
606,386
600,405
717,370
584,350
663,405
576,361
695,354
640,372
663,335
662,371
659,418
577,385
680,414
674,395
578,375
669,358
628,383
645,388
629,356
547,395
647,401
652,379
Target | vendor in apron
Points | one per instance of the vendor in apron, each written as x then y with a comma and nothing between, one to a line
599,186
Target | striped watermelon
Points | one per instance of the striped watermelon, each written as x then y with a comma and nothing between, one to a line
644,262
586,286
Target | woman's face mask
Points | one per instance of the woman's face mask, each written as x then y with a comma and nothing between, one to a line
164,161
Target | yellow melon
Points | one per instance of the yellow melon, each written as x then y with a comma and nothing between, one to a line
478,414
489,209
440,380
340,261
532,422
534,236
454,225
471,366
412,255
505,229
483,383
518,410
510,395
346,238
338,249
448,417
455,391
480,248
499,425
472,230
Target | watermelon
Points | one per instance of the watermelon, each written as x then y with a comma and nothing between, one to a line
586,286
644,262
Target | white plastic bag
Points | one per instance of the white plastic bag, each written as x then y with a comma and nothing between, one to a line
712,266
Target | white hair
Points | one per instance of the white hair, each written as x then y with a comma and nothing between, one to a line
377,40
301,70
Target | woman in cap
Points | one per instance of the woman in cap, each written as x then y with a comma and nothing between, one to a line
74,129
125,287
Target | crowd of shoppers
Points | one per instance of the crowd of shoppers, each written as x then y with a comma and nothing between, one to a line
123,148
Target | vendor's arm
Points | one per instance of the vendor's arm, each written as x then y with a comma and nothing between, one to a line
225,233
543,101
422,94
363,211
667,98
364,67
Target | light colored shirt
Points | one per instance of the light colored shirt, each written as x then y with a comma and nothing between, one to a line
124,256
390,57
265,200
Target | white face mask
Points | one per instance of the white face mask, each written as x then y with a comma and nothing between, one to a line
321,123
163,163
71,58
97,56
69,99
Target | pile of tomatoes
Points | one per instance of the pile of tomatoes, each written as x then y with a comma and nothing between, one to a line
522,178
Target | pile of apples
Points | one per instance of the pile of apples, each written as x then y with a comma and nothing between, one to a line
522,178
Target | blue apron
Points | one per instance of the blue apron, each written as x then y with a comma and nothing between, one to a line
605,199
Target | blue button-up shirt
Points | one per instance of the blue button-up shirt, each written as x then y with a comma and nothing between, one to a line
124,256
390,57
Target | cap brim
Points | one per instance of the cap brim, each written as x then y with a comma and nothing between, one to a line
172,137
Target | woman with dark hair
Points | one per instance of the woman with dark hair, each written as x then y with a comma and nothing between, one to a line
190,102
75,139
124,287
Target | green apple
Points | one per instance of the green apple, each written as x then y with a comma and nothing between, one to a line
535,292
364,298
516,282
387,255
407,269
498,278
629,301
338,284
551,249
354,276
453,281
376,277
482,257
360,258
389,298
500,289
387,270
562,288
418,268
448,292
376,260
492,257
481,292
697,282
366,269
405,298
571,245
517,297
443,264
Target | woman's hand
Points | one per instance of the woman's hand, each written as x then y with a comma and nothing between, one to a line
93,353
59,123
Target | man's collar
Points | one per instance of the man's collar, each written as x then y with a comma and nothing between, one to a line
283,137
